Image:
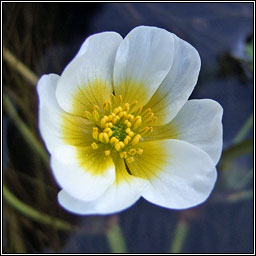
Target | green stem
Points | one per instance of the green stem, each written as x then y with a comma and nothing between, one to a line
116,240
244,130
32,213
25,131
234,151
19,67
180,235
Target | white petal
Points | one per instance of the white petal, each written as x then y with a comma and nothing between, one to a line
180,174
49,111
178,84
119,196
143,60
79,182
199,123
88,77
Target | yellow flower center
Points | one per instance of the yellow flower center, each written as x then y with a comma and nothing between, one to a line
119,127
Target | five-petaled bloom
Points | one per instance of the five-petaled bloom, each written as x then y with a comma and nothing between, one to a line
118,124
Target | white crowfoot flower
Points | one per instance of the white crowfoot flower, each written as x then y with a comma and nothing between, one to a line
119,126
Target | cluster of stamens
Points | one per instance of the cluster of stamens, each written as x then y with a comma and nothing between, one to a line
120,126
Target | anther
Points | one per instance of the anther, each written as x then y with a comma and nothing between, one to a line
118,147
103,120
94,145
131,134
127,130
123,154
139,151
107,152
95,133
130,159
106,106
132,151
126,141
103,137
128,124
126,107
96,107
95,115
113,140
136,139
87,115
122,145
137,123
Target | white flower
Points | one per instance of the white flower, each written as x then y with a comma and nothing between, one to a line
118,124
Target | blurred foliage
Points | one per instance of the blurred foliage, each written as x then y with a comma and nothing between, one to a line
44,37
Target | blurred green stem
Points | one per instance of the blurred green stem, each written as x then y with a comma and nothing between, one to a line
32,213
234,151
116,240
244,130
25,131
19,67
180,235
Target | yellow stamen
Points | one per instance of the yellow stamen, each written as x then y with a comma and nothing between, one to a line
103,120
95,115
103,137
121,144
137,123
87,115
139,151
128,130
113,140
118,147
132,151
130,159
107,152
136,139
126,107
123,154
128,124
94,145
95,133
106,106
131,134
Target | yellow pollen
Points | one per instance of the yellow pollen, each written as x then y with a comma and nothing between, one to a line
120,114
95,115
103,137
130,159
119,126
87,115
94,145
113,140
137,123
139,151
128,124
128,130
131,134
117,147
123,154
122,145
136,139
126,107
126,141
132,151
96,107
107,152
106,106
